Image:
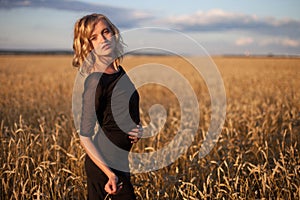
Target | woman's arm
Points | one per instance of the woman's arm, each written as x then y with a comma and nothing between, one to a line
87,126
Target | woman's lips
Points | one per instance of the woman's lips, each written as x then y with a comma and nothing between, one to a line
105,46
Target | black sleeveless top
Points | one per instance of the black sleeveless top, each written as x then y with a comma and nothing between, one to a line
113,101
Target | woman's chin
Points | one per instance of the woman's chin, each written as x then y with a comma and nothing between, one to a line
106,52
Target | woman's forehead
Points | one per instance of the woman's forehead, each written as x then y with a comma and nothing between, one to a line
100,25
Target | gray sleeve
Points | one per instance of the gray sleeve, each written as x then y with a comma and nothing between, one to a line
88,116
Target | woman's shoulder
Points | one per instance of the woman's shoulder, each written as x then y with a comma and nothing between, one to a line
92,79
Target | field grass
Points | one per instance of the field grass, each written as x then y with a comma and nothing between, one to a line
256,156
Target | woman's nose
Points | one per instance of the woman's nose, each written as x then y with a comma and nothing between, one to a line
102,38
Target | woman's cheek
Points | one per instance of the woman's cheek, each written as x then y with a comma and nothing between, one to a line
98,50
95,44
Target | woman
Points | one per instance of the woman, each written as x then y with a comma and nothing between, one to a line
98,49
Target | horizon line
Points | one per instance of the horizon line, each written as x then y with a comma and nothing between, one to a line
70,52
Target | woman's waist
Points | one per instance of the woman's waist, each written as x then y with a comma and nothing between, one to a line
111,137
118,127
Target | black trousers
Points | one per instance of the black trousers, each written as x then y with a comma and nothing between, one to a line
96,180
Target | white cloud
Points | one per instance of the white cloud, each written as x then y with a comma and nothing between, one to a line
219,20
203,18
244,41
287,42
290,43
23,3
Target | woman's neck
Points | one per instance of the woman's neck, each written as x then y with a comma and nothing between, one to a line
105,65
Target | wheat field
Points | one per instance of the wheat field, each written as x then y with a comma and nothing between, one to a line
255,157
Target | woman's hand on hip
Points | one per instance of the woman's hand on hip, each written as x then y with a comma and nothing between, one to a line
136,133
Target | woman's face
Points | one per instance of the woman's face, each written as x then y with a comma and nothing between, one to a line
103,39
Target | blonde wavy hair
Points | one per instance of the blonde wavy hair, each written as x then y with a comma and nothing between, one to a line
82,45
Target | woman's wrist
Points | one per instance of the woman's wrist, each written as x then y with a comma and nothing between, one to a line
107,171
111,175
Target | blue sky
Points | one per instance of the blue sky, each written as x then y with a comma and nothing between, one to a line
220,26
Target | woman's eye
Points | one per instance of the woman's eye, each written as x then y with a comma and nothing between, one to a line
106,31
92,38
